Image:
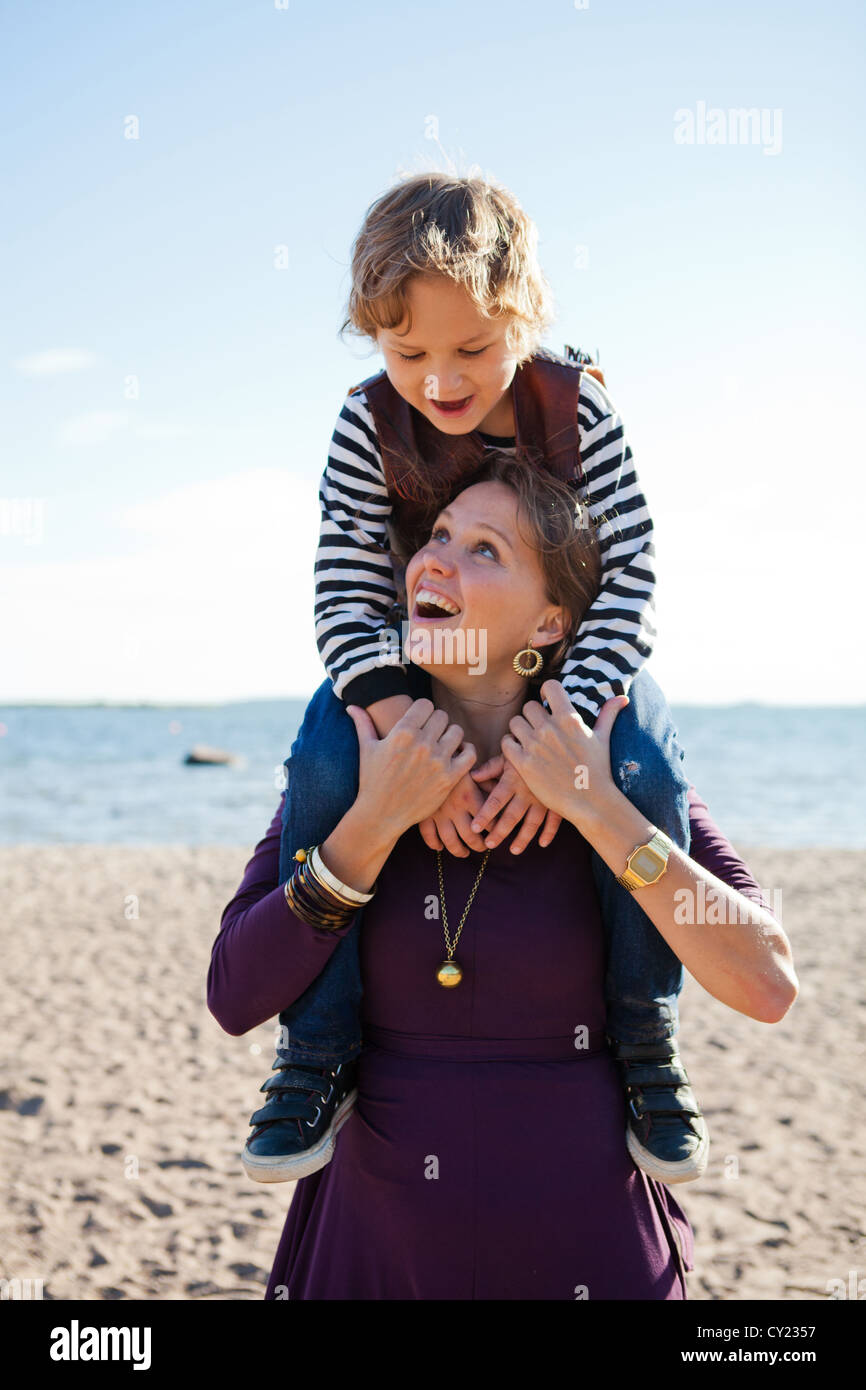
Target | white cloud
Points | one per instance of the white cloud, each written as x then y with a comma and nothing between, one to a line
219,604
93,428
159,432
98,426
55,361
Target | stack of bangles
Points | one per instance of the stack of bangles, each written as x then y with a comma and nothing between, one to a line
319,898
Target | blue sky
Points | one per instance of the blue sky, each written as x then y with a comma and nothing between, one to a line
169,391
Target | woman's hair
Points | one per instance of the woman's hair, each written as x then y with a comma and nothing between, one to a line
464,227
551,520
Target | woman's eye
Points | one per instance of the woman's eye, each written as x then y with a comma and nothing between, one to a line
409,359
443,531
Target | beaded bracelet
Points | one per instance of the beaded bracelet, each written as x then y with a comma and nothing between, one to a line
315,901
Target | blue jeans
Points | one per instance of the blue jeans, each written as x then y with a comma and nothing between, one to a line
643,976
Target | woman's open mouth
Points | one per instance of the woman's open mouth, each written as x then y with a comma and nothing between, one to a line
433,607
453,408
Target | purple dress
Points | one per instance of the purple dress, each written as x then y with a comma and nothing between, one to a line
485,1157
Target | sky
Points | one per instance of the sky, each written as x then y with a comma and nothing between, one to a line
182,183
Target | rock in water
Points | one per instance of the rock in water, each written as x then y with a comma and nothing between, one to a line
201,754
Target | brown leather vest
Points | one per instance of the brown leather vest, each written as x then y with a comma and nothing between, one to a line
545,395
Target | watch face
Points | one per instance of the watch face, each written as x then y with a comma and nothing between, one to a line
647,863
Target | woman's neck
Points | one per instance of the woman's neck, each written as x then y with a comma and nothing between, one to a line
483,706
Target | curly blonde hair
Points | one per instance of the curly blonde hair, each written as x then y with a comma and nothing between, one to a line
464,227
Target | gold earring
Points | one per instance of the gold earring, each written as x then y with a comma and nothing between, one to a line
532,655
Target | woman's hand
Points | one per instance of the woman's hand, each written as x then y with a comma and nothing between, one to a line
406,776
510,796
564,764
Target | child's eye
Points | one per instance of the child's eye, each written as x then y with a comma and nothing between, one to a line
467,352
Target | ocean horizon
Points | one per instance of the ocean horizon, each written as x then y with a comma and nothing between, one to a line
113,772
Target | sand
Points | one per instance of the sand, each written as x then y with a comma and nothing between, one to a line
123,1106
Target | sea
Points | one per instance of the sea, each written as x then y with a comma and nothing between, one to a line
787,776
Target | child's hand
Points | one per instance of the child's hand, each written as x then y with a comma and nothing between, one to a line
449,827
512,798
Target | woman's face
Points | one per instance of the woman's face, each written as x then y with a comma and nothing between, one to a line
477,562
455,355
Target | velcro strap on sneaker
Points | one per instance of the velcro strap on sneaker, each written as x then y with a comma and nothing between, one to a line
658,1102
663,1050
657,1074
293,1107
293,1079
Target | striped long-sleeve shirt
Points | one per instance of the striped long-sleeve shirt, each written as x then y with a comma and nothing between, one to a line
355,581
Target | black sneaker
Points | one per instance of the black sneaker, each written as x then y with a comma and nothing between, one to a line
294,1132
666,1136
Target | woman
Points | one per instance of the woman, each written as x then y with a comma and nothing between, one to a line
485,1156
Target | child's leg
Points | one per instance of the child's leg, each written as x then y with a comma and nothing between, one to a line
322,1028
314,1085
666,1133
644,976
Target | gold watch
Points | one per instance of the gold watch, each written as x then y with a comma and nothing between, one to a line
646,863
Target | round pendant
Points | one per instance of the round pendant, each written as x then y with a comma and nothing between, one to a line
449,974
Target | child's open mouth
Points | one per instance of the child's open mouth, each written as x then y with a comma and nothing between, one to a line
453,408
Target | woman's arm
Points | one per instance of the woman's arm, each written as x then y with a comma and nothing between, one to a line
737,951
265,956
729,942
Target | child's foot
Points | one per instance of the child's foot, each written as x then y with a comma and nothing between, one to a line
294,1132
666,1136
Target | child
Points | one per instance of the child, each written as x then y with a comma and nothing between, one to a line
446,281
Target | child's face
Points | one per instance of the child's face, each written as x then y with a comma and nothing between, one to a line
456,356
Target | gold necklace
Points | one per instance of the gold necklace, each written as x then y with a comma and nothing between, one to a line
449,972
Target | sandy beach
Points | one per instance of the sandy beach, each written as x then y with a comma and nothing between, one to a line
123,1106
